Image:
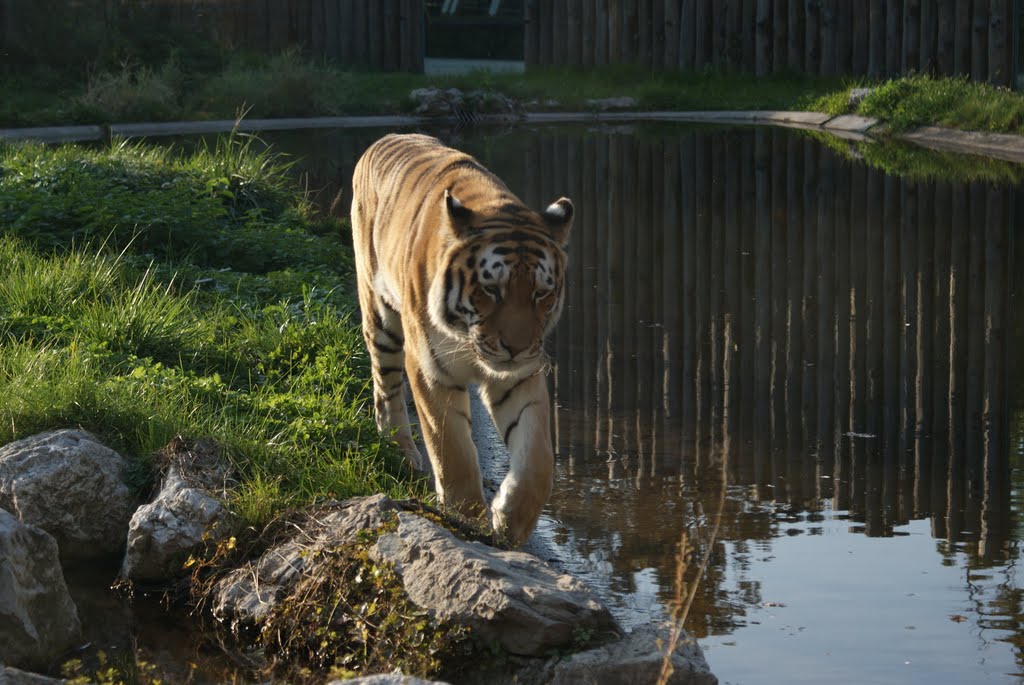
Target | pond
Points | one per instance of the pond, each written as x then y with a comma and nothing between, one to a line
801,363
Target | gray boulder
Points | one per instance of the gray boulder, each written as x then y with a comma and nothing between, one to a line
636,658
511,598
437,102
246,595
163,533
71,486
38,619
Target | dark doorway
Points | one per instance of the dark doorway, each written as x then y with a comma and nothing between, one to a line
475,34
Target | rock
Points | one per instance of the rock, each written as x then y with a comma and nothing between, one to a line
38,619
511,598
453,103
387,679
13,676
246,595
163,533
857,95
71,486
605,104
636,658
436,102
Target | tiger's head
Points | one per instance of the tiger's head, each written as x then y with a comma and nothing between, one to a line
500,289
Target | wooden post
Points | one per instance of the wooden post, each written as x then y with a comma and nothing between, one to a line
779,34
911,36
875,30
893,37
643,26
812,37
828,39
963,35
795,31
659,33
586,27
601,19
979,40
688,55
531,33
573,38
845,28
615,31
763,38
672,32
748,19
928,63
945,45
706,22
1000,43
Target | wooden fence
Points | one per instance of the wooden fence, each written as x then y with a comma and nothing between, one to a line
871,37
382,34
832,331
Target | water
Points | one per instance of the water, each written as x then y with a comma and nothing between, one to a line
802,355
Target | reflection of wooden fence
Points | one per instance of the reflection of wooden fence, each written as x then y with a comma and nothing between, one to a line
872,37
750,289
383,34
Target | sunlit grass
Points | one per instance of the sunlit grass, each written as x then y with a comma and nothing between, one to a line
236,323
918,100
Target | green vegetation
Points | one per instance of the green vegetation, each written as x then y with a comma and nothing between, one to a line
905,160
350,616
146,295
917,100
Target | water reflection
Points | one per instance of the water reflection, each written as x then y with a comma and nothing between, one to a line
839,339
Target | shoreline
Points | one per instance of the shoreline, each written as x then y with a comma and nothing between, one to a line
1006,147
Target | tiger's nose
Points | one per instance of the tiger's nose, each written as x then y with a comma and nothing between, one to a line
513,349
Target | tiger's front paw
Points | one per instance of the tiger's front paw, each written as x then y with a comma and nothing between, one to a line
515,525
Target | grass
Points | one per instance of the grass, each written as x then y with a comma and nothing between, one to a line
918,100
146,295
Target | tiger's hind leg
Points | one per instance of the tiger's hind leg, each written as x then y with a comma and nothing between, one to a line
382,330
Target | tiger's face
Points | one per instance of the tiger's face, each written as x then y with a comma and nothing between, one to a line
503,289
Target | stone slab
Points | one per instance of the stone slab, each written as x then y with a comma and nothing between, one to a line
181,128
851,122
53,134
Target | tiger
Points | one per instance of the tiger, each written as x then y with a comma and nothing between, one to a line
459,283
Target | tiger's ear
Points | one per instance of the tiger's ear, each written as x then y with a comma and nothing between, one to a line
459,215
558,219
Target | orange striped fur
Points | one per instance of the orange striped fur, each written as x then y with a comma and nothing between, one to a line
459,282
